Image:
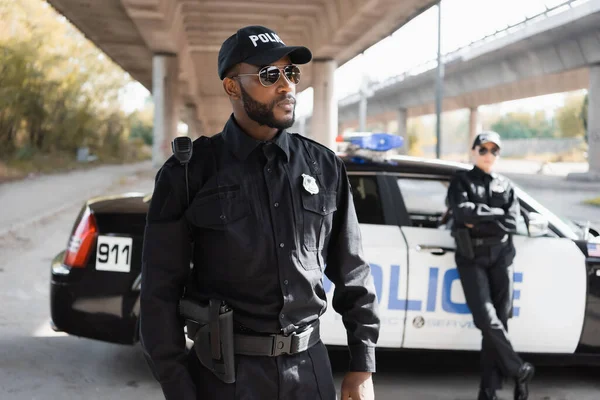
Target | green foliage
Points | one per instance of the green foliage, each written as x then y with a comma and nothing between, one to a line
141,131
568,117
142,125
415,138
583,115
57,90
593,201
520,125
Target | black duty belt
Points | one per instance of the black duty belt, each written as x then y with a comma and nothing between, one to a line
489,241
276,344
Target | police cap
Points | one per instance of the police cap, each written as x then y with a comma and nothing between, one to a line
259,46
487,137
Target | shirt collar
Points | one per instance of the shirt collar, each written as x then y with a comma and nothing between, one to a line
242,144
481,173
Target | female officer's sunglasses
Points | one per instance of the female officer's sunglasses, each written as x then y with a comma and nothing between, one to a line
484,150
269,75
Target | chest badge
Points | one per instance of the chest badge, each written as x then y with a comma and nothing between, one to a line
310,184
498,188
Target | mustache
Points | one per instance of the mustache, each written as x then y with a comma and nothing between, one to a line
286,97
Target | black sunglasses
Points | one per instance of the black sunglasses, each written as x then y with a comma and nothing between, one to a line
269,75
484,150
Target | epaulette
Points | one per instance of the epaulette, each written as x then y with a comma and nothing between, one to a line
321,145
202,145
202,141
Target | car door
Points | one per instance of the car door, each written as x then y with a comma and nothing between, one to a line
548,289
437,314
385,251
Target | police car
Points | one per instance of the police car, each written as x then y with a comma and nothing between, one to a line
400,203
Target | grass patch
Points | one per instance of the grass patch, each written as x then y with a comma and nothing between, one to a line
23,165
16,168
593,202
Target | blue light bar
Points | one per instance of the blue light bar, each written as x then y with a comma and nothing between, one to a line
377,141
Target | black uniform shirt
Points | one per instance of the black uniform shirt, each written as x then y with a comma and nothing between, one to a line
487,201
267,220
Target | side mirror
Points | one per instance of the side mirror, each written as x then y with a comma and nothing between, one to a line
538,225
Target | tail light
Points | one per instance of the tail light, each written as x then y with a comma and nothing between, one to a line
82,240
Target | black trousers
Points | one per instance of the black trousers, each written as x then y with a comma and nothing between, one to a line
487,282
302,376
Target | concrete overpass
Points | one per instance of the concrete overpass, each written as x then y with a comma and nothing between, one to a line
556,54
171,47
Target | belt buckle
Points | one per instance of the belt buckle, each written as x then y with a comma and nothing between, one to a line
281,345
291,344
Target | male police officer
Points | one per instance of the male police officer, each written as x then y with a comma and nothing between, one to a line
269,213
484,209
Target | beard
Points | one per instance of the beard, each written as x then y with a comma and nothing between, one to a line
263,113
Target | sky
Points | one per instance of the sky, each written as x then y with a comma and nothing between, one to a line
463,22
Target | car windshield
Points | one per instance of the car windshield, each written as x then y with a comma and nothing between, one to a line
566,226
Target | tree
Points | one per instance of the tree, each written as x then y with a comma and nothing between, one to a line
568,118
521,125
57,90
583,115
142,123
416,131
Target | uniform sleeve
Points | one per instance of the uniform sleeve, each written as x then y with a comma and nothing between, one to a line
466,211
508,221
354,296
165,268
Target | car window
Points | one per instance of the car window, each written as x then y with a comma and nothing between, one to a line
367,200
425,200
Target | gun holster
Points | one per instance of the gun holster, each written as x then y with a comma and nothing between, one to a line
210,326
464,244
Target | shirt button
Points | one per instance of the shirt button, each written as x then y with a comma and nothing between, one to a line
285,282
282,315
222,216
281,245
268,169
276,205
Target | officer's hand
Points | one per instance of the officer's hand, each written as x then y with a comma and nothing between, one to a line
358,386
469,225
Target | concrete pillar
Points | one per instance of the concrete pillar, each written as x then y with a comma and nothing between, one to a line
593,129
473,125
403,130
594,121
192,121
165,71
324,121
362,113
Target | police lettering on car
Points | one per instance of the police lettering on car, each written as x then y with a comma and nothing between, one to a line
270,213
485,210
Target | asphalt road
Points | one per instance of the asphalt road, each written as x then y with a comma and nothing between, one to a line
36,363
